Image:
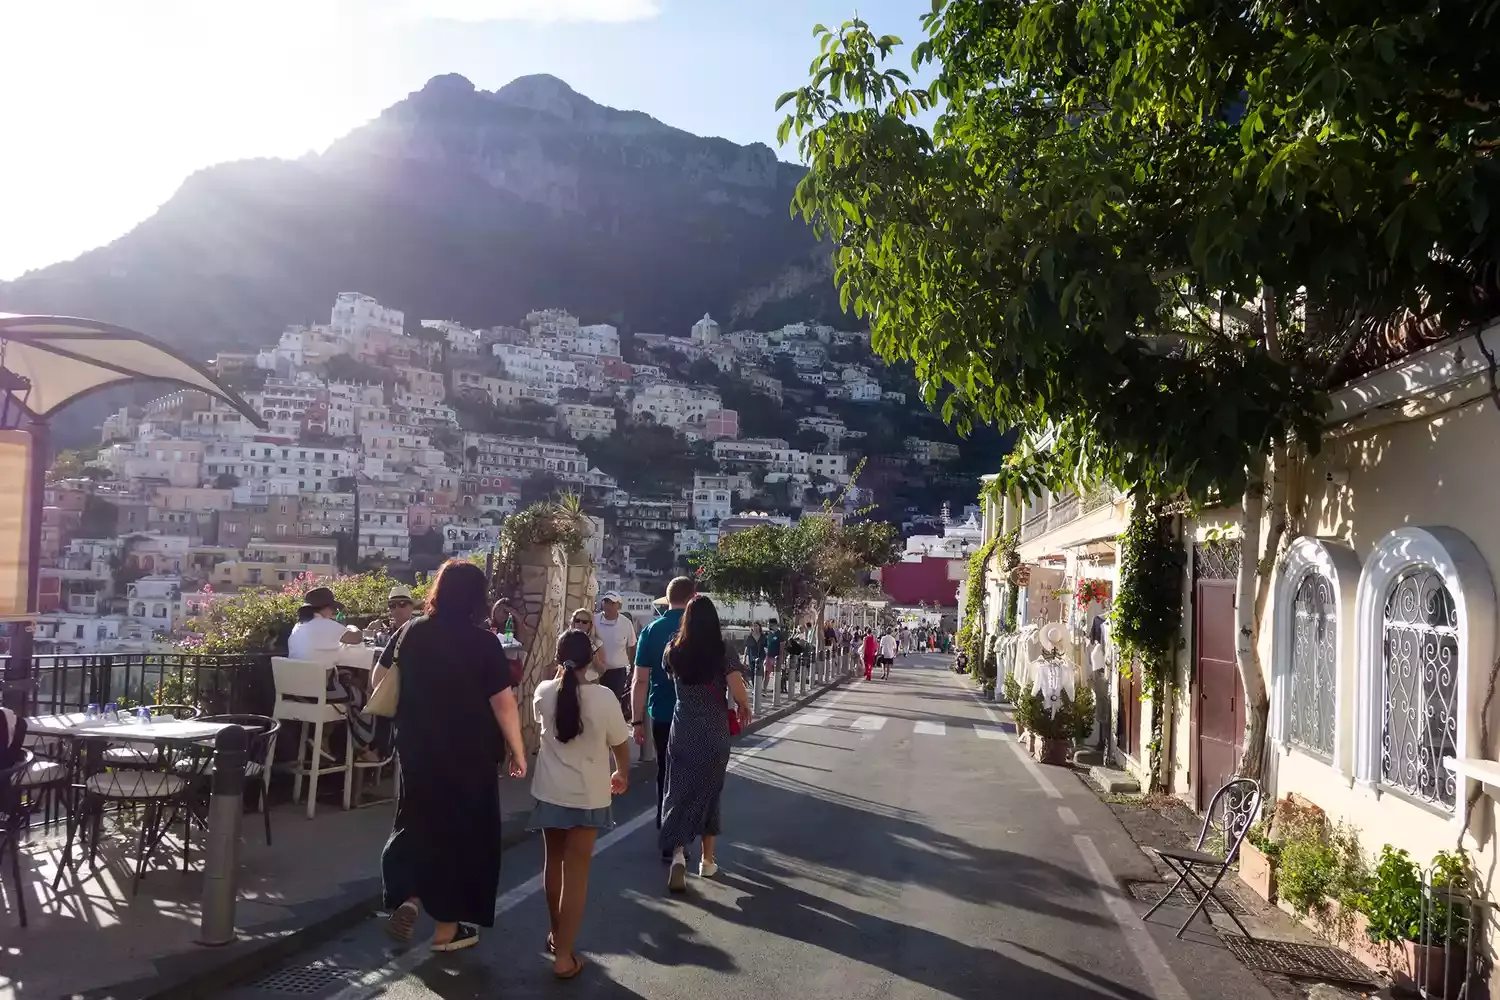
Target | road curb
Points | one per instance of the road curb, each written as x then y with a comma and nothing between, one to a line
208,972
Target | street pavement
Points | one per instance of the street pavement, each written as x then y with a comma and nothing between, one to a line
891,841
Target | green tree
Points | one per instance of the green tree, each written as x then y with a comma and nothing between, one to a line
1102,220
796,568
70,463
226,481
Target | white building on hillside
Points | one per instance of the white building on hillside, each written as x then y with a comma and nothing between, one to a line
580,420
711,499
459,338
354,314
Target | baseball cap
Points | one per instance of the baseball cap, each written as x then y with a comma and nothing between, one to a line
611,595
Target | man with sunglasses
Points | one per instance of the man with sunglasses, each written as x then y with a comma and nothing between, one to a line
400,609
617,634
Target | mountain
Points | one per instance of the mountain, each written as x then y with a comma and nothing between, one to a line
463,204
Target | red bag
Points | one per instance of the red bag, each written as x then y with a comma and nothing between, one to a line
734,721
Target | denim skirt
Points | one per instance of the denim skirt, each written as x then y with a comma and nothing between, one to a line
547,816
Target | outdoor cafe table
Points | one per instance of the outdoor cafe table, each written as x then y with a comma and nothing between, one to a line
88,733
79,726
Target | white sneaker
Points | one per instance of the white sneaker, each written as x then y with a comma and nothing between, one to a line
707,869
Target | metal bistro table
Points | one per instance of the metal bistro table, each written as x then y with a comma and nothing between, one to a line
181,750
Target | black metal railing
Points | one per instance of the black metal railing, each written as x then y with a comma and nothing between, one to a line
218,684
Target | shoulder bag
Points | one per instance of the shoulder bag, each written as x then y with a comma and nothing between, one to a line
387,694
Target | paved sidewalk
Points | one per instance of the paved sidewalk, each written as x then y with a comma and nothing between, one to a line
92,939
313,872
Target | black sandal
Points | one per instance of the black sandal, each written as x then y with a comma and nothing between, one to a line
467,936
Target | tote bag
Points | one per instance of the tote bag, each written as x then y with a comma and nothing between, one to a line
387,694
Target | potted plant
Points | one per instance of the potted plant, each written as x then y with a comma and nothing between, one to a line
1392,904
1259,855
1029,715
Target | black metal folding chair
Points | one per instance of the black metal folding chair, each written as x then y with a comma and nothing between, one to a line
13,821
1230,814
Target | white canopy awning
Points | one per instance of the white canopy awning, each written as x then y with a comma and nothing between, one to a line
65,358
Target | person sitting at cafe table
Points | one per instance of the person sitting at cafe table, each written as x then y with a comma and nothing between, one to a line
319,637
400,609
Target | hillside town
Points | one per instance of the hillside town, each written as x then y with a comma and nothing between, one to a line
384,448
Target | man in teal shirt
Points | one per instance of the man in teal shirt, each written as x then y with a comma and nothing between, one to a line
655,694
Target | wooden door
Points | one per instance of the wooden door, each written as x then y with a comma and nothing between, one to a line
1220,709
1128,719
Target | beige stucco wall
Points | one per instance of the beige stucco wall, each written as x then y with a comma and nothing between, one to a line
1426,472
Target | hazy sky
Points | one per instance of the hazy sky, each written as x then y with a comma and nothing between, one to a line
109,104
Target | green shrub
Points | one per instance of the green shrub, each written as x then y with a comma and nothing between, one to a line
257,621
1392,899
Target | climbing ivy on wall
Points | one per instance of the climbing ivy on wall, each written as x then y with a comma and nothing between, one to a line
1147,613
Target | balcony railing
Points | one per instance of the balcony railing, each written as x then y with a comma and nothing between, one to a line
233,683
1066,509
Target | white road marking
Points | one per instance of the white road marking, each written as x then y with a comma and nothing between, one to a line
806,719
925,728
403,964
989,732
1164,983
869,723
1068,816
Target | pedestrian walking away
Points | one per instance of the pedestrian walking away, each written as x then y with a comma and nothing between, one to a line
755,652
887,655
706,678
583,761
616,635
868,651
456,718
653,695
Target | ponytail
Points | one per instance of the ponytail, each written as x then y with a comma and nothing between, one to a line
574,649
569,708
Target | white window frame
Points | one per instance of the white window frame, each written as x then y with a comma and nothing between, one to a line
1339,564
1455,558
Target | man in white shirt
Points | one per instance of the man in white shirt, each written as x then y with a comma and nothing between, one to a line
617,634
887,654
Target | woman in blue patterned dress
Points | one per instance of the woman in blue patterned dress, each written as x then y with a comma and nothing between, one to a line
706,676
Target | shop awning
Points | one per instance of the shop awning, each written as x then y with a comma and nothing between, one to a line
53,360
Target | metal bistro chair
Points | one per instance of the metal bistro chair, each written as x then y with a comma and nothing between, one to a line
162,787
1230,814
259,756
302,696
13,820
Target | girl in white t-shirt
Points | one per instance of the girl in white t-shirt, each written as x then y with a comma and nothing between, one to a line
583,762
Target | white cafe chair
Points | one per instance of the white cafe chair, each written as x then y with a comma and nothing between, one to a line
307,681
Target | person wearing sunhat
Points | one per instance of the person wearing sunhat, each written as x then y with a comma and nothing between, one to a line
400,608
319,637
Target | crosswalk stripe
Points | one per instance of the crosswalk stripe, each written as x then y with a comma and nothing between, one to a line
925,728
811,718
869,723
989,732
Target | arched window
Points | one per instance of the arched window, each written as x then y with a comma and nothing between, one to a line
1426,637
1313,658
1419,687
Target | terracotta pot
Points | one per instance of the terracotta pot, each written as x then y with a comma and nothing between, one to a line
1432,967
1258,871
1053,752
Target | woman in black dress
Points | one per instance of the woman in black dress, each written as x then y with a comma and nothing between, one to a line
706,677
456,717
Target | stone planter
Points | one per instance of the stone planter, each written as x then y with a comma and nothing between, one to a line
1258,871
1049,751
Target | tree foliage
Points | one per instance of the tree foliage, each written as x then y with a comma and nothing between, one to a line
795,567
1108,184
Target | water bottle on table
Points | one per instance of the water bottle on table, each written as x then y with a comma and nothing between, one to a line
112,712
92,712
